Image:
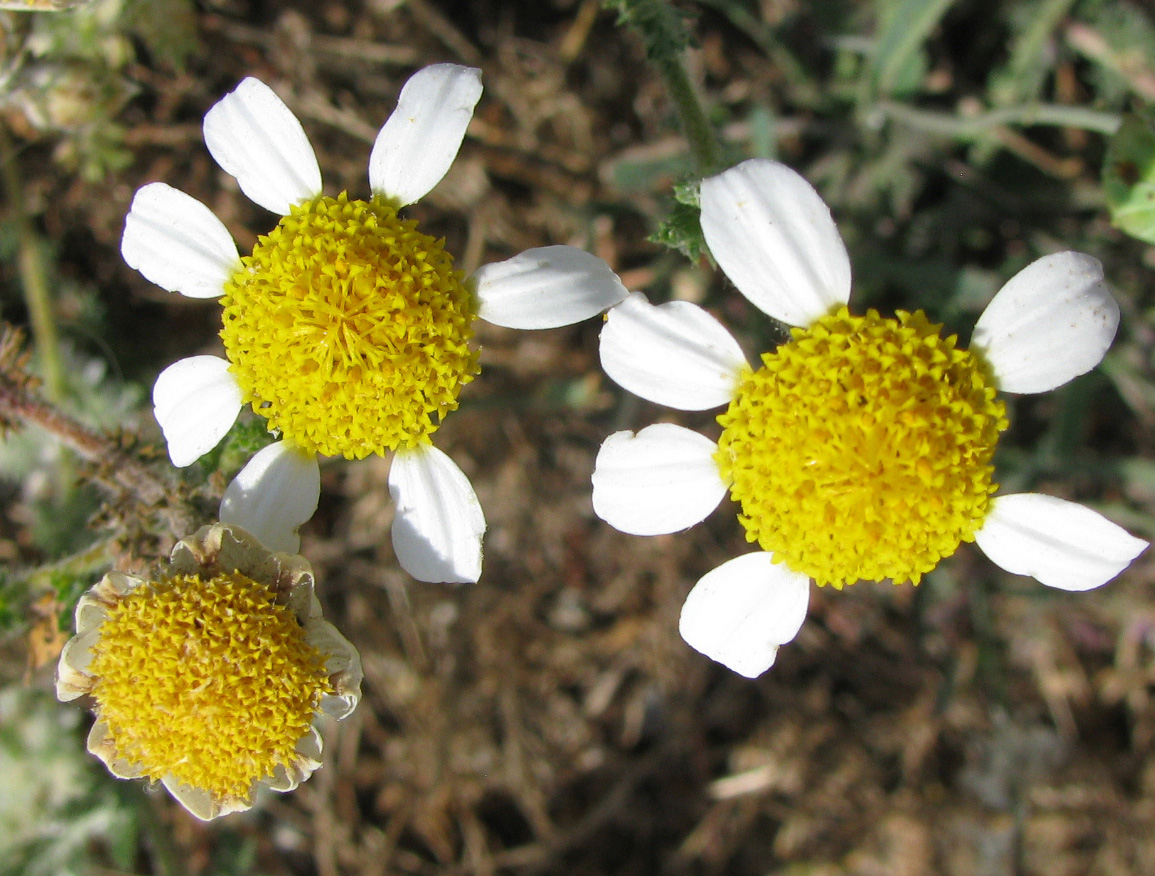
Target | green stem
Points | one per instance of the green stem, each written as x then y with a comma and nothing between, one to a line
695,124
991,668
166,858
20,591
973,127
663,32
33,276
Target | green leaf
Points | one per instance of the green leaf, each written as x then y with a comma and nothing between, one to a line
682,230
247,436
899,63
1129,177
1023,76
167,27
661,26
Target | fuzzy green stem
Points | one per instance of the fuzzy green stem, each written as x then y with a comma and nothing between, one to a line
665,37
695,124
166,858
33,277
20,590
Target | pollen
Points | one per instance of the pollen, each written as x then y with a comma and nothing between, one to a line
210,681
349,329
861,449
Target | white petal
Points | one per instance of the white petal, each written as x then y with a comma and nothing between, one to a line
177,242
1060,543
773,236
674,354
273,495
739,613
439,523
1052,322
196,402
421,138
546,287
256,138
660,480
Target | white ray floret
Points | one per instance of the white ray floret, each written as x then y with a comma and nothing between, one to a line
673,354
773,236
739,613
438,522
196,401
420,139
273,495
1059,543
1053,321
547,287
178,243
663,479
255,138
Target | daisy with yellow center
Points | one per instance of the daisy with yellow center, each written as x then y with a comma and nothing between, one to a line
210,677
861,448
347,328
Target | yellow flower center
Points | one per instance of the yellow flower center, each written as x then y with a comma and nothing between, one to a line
861,449
349,329
210,681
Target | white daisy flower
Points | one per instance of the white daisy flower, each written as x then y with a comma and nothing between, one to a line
347,328
860,449
210,677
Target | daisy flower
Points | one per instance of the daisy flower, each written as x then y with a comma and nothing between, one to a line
861,448
209,678
347,328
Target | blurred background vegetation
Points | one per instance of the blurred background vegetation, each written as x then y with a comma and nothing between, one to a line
550,719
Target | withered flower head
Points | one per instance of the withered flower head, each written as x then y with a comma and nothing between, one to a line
209,677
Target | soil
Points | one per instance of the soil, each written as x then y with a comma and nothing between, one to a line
550,719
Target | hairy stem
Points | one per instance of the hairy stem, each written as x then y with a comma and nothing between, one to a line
33,276
116,471
665,37
696,126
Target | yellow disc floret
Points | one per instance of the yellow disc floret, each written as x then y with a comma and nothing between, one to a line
348,329
211,681
861,448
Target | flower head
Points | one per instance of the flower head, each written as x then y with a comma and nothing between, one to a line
861,448
209,678
347,328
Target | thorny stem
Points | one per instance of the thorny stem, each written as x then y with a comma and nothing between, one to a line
33,277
